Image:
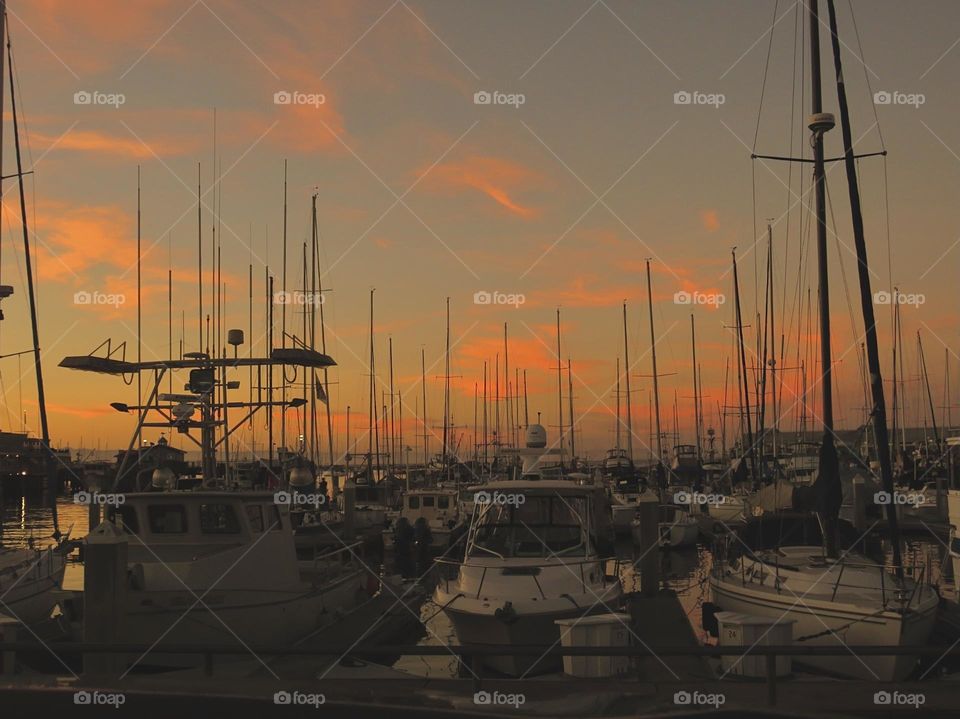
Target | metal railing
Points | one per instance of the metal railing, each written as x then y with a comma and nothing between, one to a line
472,655
446,575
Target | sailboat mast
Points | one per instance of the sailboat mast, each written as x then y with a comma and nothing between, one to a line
446,397
926,384
38,369
696,397
866,297
573,432
423,387
616,424
283,314
559,388
626,362
744,382
656,386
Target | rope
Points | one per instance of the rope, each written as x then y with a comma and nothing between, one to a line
841,628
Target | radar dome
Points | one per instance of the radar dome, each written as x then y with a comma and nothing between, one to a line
536,436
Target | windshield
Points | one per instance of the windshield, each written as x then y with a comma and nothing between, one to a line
539,527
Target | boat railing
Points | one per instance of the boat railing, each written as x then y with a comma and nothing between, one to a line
449,570
919,575
331,561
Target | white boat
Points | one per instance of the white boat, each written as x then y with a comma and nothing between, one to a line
29,579
624,496
438,508
676,527
802,462
849,601
235,550
534,554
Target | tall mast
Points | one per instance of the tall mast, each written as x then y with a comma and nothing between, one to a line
526,412
38,369
573,431
744,382
283,314
485,431
373,399
446,397
390,444
656,385
926,383
626,362
423,387
829,474
559,388
616,424
696,397
893,447
139,317
506,383
317,298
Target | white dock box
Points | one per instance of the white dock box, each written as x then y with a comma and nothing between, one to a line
747,630
599,630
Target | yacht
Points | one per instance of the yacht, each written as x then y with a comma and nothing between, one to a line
536,552
833,602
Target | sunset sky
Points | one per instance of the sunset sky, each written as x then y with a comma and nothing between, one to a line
586,163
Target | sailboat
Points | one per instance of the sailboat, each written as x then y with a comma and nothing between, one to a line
834,598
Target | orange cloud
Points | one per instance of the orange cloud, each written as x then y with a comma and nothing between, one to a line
500,180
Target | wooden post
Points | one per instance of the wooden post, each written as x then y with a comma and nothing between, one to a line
349,499
104,596
8,633
648,512
772,679
859,503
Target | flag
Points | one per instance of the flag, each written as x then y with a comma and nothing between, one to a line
321,395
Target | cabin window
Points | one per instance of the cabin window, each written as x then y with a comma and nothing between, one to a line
542,526
218,519
167,518
414,503
127,516
443,502
255,517
428,501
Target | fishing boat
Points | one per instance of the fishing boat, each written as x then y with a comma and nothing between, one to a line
234,549
434,510
834,598
536,552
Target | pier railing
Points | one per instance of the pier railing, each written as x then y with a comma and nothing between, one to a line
471,655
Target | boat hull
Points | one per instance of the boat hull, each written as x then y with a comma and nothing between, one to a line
477,622
856,626
170,617
31,598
